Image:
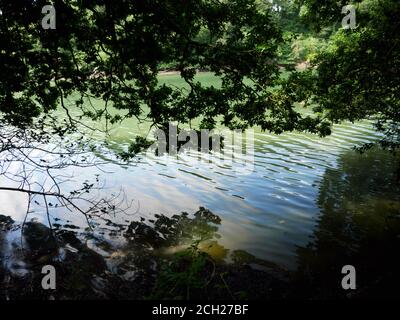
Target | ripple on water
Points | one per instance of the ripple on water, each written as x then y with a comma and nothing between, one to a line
268,212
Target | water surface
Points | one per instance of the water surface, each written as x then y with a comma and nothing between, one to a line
270,212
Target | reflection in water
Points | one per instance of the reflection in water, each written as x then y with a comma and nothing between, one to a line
302,186
267,213
359,225
183,255
168,257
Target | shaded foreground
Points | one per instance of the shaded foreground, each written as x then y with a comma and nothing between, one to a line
180,258
167,258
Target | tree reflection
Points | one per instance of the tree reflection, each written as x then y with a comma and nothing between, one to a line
177,257
359,225
183,254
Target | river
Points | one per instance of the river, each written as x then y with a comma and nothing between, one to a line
270,212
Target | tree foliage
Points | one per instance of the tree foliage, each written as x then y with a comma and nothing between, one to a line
112,50
357,76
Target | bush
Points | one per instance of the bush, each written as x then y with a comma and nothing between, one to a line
305,48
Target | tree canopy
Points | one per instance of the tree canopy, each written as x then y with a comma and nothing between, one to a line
114,50
357,76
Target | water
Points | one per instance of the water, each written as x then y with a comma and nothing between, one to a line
270,212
